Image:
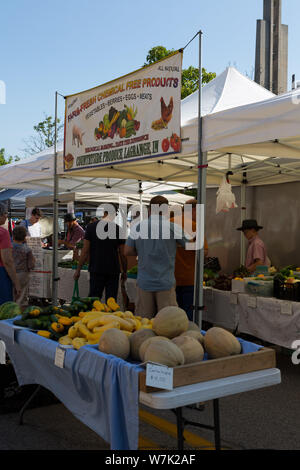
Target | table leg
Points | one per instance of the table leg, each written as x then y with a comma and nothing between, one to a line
28,403
180,427
217,424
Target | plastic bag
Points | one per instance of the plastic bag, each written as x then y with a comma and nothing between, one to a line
225,197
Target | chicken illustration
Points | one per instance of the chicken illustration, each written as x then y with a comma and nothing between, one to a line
166,111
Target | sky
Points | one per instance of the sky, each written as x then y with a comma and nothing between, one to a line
70,46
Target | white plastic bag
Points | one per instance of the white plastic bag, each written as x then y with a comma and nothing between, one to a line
225,197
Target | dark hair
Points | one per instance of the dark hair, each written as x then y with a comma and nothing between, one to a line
19,233
158,200
36,211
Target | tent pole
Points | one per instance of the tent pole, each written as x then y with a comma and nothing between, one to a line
55,217
243,217
202,158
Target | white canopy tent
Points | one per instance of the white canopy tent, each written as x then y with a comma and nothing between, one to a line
41,200
268,133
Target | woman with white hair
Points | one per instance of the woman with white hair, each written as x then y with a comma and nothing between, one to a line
8,275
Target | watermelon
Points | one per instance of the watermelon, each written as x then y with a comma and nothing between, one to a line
9,310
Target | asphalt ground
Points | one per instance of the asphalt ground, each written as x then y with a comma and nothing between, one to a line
261,419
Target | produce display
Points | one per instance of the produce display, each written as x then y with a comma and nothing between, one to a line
169,338
71,264
9,310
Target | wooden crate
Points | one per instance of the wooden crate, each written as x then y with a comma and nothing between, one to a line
211,369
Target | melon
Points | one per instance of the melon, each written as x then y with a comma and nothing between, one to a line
145,344
170,322
191,348
194,334
219,342
164,352
114,341
136,339
193,326
9,309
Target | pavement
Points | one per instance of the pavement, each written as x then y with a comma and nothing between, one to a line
260,419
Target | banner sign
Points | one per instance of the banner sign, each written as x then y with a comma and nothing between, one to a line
134,117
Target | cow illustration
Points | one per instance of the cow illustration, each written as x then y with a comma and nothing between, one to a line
77,135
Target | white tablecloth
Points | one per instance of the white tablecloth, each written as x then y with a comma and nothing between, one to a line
66,285
270,319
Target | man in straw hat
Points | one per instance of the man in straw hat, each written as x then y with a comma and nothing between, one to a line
256,252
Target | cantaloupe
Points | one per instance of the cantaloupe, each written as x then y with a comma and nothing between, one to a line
114,341
219,342
194,334
136,339
146,343
170,322
164,352
193,326
191,348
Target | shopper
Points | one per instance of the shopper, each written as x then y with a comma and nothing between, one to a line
32,225
154,240
185,260
103,246
24,263
75,232
256,252
8,275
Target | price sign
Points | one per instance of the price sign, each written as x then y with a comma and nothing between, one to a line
286,308
252,302
159,376
59,360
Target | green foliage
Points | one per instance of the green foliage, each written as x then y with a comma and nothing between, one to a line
157,53
190,80
4,160
190,76
44,136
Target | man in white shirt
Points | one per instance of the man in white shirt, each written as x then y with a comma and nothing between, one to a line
32,224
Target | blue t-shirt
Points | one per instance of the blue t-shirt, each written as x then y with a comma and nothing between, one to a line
155,241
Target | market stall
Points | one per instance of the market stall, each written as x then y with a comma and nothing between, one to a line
65,346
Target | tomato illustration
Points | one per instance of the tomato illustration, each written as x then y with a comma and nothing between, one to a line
165,145
175,142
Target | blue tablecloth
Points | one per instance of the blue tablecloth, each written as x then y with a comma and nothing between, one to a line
99,389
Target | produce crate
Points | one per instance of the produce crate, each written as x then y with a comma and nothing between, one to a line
211,369
285,291
260,288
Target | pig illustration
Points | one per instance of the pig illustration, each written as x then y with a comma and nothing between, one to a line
77,136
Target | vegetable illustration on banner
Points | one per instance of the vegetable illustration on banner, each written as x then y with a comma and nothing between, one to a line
134,117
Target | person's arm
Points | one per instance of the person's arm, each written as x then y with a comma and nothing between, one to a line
123,261
30,261
129,250
252,267
83,258
9,265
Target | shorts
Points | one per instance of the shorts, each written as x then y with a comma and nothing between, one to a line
148,303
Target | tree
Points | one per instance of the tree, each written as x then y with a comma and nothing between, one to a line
157,53
190,80
44,135
190,76
10,159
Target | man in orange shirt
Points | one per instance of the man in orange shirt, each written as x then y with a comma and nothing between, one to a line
185,268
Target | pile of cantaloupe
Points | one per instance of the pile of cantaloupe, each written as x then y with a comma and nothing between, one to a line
169,338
